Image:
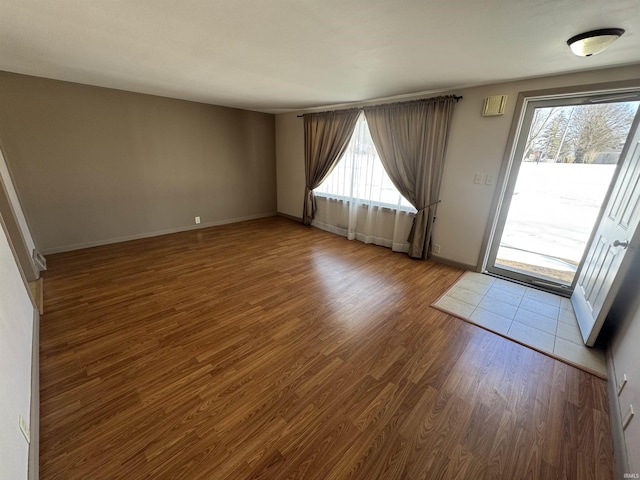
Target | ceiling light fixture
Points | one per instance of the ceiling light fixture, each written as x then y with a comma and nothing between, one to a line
595,41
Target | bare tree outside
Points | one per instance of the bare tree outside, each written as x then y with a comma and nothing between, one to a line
539,125
600,128
577,134
553,142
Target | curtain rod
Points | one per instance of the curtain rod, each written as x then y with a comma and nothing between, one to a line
457,98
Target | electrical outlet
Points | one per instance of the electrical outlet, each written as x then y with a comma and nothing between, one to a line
197,220
436,248
477,178
622,384
24,428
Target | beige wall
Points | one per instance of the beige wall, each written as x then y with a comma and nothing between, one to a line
290,164
94,165
476,145
624,320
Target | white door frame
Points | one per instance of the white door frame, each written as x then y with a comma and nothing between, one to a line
524,98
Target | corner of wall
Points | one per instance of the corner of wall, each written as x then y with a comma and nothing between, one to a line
290,217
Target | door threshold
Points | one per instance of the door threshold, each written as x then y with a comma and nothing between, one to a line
549,287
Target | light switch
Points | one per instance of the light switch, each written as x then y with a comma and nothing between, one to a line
490,179
477,179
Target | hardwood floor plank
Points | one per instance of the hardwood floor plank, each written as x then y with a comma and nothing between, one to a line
269,350
501,459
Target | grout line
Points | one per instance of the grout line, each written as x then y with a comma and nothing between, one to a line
552,353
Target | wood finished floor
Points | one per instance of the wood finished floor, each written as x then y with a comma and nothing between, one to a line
270,350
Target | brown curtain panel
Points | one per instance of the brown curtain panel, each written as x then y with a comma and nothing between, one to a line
326,136
411,139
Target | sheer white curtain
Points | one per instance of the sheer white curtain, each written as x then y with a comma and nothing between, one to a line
358,199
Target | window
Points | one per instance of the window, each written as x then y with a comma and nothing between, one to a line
360,175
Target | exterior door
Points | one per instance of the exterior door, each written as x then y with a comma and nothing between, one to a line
608,259
566,156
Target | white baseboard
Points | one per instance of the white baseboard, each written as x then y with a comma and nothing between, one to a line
108,241
290,217
453,263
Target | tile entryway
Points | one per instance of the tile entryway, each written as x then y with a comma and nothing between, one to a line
537,319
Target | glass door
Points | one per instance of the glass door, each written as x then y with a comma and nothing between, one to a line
565,159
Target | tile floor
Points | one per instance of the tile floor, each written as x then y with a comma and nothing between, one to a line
534,318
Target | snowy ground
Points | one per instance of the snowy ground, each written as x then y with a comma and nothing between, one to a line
552,214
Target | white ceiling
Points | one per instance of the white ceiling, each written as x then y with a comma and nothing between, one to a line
278,55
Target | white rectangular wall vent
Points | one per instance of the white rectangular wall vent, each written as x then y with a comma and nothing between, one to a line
494,105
